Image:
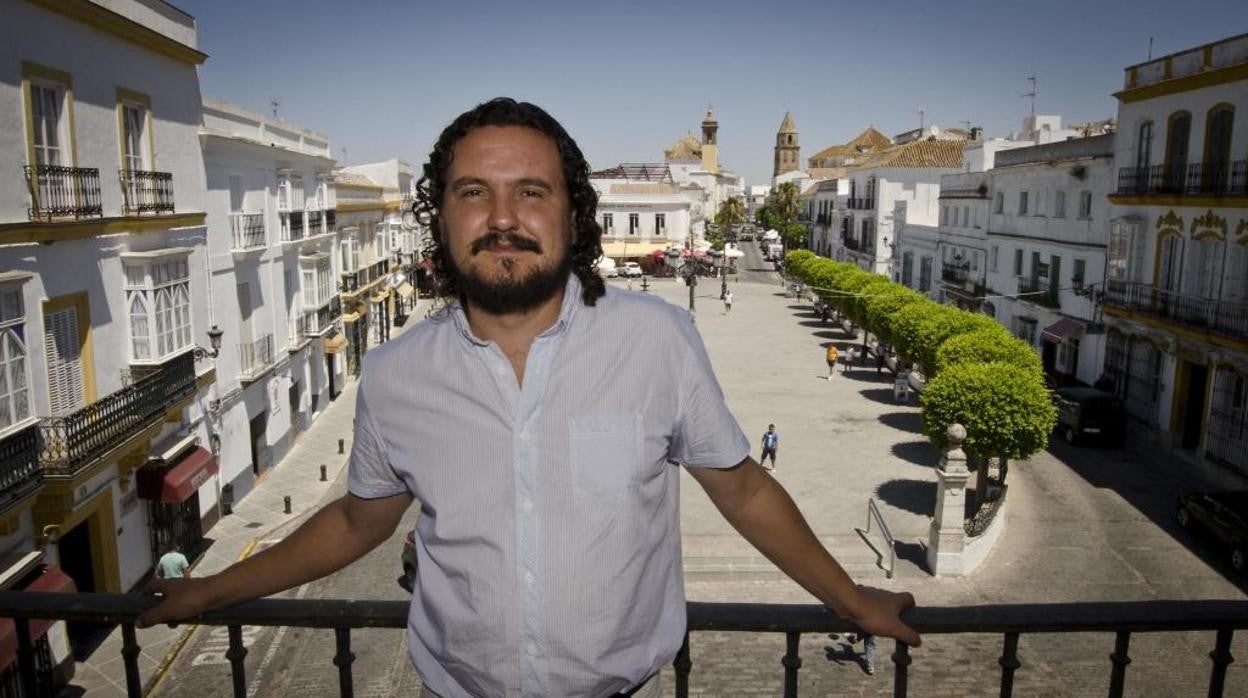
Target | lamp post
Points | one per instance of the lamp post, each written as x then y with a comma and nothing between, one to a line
685,268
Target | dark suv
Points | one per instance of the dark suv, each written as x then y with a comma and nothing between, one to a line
1088,414
1223,516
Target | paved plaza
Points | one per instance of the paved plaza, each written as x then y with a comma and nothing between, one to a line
1082,525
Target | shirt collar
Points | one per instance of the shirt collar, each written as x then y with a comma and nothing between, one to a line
568,310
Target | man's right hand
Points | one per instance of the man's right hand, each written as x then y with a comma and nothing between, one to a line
179,599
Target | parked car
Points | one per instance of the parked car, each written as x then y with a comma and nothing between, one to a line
408,559
1223,516
630,270
1088,414
607,268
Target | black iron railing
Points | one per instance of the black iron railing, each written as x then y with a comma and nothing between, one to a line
294,225
331,218
1226,440
1122,619
147,192
350,283
862,203
69,442
19,465
255,356
246,231
851,242
954,273
315,219
63,192
1221,317
1038,292
1201,178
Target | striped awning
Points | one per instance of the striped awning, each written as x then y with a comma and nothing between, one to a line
631,250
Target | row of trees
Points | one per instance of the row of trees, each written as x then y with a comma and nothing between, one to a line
780,213
978,375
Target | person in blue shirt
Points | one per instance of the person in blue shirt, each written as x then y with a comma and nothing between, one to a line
771,440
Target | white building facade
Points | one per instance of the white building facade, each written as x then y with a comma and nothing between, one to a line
642,210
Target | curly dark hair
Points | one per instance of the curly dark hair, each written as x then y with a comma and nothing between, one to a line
504,111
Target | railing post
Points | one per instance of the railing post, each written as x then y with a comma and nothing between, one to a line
1009,663
792,662
682,664
26,657
1120,659
343,659
901,669
1221,656
130,658
236,654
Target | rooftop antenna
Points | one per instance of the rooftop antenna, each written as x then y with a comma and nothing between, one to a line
921,112
276,104
344,154
1150,48
1034,81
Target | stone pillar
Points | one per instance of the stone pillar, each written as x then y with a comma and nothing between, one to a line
947,536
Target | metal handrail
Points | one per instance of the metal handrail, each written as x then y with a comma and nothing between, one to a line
873,512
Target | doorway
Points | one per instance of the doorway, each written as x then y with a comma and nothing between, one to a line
74,551
258,428
1194,405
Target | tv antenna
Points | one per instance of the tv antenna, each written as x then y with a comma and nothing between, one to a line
922,112
1034,81
275,104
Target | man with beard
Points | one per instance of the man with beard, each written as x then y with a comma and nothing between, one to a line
538,421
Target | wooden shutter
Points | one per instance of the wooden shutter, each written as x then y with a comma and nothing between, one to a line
63,352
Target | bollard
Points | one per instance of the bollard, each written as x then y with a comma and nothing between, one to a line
323,476
341,445
286,502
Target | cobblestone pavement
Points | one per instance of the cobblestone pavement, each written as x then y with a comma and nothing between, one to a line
1081,525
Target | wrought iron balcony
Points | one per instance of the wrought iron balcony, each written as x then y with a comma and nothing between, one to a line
852,243
1199,179
63,192
1038,292
1116,622
147,192
293,226
954,273
350,283
1212,315
316,222
255,357
862,203
246,231
70,442
331,218
19,465
312,323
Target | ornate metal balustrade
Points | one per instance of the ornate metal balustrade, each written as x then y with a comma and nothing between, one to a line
1221,317
293,228
315,222
1200,178
255,356
19,465
246,231
63,192
70,442
1038,292
1122,619
147,192
954,273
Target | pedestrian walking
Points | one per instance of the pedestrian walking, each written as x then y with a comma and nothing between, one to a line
771,441
832,354
851,356
173,564
879,357
728,302
503,397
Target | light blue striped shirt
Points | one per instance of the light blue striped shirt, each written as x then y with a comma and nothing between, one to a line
549,537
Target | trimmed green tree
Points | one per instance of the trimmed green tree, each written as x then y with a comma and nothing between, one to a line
883,305
985,346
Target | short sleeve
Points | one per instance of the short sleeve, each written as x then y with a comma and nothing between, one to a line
707,435
369,474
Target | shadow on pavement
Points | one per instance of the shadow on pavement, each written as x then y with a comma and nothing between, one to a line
914,553
917,452
914,496
884,396
905,421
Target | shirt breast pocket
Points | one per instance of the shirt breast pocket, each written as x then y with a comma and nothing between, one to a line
605,451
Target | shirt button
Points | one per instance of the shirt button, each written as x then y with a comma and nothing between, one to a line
531,649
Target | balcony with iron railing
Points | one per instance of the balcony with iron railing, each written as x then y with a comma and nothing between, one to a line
331,219
1038,292
247,232
954,272
147,192
58,192
1196,179
316,223
1209,314
311,323
255,357
862,203
19,465
70,442
1111,625
292,226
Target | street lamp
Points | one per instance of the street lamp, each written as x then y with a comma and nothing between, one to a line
214,341
685,268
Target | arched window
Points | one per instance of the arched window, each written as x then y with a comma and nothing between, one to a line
1204,268
140,332
1216,171
1178,133
1144,146
14,394
182,316
164,322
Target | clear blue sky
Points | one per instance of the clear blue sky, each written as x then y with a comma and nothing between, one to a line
626,79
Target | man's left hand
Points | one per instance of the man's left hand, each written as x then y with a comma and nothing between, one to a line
878,612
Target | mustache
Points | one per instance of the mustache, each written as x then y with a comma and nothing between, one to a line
495,237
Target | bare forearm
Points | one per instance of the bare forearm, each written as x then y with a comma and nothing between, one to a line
323,544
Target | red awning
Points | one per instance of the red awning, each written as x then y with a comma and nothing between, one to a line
1060,330
178,483
52,579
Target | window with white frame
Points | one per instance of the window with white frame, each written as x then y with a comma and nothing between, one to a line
1085,204
1059,204
134,129
158,301
608,224
315,281
998,203
966,216
660,224
350,249
47,106
14,386
1022,203
944,215
634,223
